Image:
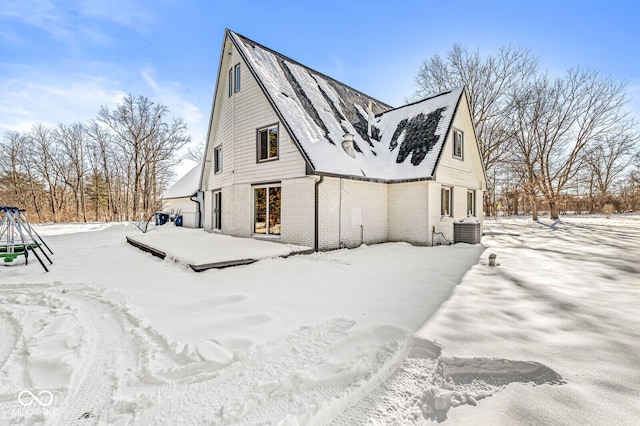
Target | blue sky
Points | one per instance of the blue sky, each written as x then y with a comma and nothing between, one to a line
61,59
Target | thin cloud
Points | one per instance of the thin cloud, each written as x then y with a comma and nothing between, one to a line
40,99
150,81
169,94
126,13
41,14
76,21
48,98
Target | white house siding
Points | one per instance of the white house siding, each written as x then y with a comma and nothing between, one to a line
341,201
236,119
408,213
185,207
460,175
237,212
234,125
297,213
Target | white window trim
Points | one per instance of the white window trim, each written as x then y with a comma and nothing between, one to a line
266,235
461,156
214,208
237,74
217,159
442,190
471,193
230,82
260,129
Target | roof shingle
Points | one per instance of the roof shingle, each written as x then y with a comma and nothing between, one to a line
404,143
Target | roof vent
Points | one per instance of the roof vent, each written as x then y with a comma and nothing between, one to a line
347,145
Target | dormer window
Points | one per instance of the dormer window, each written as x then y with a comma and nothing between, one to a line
458,144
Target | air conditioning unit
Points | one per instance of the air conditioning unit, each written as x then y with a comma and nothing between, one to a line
467,231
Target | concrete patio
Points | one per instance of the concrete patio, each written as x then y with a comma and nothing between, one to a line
202,250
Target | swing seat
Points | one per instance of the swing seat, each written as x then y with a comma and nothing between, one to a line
10,257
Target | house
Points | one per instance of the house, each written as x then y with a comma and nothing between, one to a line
298,157
183,198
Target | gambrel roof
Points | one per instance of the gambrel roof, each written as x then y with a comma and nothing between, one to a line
404,143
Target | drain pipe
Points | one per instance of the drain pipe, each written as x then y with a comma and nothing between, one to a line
317,217
199,196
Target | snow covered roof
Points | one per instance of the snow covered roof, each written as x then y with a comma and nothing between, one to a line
389,144
186,186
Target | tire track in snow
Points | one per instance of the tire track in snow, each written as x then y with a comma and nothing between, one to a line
131,374
246,391
108,343
9,337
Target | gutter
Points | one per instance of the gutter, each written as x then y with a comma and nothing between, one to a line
317,215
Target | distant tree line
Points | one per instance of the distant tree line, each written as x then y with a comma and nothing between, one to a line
559,144
113,167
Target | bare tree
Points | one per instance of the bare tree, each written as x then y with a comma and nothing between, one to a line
489,81
608,158
16,187
195,153
147,143
105,167
561,117
72,141
45,159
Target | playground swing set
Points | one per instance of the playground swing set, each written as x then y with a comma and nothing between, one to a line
18,238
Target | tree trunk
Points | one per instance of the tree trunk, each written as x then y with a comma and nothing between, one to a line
553,209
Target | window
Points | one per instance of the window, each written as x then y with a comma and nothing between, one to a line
268,143
471,203
446,202
236,86
217,159
230,82
217,210
266,207
458,144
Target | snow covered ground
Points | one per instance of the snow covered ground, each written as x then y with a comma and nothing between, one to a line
386,334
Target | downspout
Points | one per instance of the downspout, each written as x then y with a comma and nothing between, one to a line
198,195
317,215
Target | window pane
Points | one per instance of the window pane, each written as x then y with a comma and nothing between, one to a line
217,159
230,82
217,210
470,203
238,78
457,144
262,147
446,202
273,142
274,210
260,201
